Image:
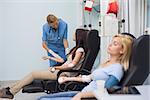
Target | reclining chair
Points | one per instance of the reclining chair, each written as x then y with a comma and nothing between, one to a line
92,46
139,64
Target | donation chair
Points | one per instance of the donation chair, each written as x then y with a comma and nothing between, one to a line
93,46
139,63
138,66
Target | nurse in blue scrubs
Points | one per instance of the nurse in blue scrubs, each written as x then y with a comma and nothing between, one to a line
55,39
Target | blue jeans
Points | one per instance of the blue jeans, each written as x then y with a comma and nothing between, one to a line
59,96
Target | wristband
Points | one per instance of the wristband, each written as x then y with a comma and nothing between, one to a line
86,78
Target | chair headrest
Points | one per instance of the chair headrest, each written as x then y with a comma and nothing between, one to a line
139,62
129,35
81,35
92,37
92,46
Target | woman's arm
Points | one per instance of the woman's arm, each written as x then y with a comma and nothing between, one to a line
63,79
75,61
83,78
83,95
53,58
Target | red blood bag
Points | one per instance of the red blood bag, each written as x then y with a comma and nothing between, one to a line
113,8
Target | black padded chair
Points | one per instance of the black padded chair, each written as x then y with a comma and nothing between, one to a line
139,63
92,46
91,51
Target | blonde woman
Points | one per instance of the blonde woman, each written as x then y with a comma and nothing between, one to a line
119,50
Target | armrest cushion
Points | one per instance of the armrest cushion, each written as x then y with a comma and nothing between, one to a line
111,81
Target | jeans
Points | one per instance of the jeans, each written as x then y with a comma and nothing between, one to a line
59,96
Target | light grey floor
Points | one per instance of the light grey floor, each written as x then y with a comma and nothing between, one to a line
20,95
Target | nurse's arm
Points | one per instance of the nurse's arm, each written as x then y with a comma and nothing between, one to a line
45,46
65,41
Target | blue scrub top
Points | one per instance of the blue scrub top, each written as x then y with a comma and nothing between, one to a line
54,39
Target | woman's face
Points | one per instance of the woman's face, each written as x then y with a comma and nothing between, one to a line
115,47
74,37
54,24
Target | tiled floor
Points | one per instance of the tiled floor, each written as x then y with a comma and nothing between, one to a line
20,95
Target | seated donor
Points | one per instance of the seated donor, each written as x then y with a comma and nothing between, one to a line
75,57
110,71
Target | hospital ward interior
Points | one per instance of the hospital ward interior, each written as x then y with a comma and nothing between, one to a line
74,49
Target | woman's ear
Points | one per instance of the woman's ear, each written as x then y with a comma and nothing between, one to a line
121,51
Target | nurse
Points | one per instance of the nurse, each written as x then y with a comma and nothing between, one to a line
55,40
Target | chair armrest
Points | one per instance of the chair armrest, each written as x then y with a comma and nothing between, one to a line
83,72
58,74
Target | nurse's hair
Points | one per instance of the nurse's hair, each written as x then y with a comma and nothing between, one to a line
126,42
51,18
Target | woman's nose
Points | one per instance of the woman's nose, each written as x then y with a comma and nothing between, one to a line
110,45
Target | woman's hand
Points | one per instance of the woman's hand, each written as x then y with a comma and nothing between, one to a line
62,79
45,57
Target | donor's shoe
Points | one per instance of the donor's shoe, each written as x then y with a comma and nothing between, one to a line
5,93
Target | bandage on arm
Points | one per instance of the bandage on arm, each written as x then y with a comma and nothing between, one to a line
86,78
54,54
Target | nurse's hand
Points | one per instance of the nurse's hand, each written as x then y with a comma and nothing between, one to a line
45,57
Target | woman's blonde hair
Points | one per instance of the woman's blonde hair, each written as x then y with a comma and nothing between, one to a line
126,42
51,18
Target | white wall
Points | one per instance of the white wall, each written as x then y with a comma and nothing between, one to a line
148,13
21,31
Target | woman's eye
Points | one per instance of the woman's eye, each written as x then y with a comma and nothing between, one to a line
115,43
